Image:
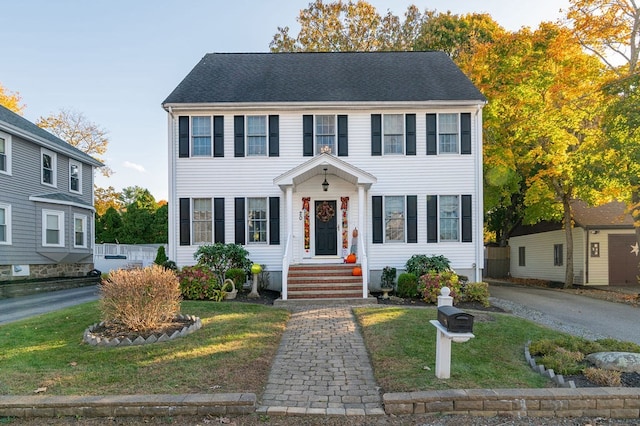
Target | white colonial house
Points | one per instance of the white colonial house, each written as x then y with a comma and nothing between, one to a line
289,153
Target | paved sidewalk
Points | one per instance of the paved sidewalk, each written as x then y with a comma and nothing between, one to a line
322,367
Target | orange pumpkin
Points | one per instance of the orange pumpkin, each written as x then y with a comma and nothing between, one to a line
357,271
351,258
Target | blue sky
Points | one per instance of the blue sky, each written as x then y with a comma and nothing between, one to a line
115,61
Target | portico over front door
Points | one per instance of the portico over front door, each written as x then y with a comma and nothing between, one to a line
326,228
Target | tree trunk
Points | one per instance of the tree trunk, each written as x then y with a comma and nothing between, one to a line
568,230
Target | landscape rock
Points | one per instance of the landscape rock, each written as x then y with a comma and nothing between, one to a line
626,362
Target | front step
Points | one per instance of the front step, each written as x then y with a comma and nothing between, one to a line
323,281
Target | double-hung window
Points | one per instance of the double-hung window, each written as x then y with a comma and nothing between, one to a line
5,153
202,221
393,133
557,255
448,133
5,224
79,230
52,228
49,166
201,136
394,219
449,218
257,220
75,177
257,135
326,134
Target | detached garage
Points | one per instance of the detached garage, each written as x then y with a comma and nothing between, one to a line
605,248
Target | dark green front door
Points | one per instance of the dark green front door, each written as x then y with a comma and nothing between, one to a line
326,228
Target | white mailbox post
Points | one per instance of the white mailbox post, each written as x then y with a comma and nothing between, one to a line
444,338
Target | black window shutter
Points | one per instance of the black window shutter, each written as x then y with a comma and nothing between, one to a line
467,226
465,133
238,136
376,212
218,220
274,136
183,136
431,135
307,135
185,221
410,121
343,136
376,135
412,218
432,218
274,220
218,136
239,221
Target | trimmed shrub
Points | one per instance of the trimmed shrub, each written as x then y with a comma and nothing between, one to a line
161,256
429,286
140,299
200,283
407,285
239,277
476,292
420,264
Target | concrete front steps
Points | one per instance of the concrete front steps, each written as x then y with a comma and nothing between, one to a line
324,283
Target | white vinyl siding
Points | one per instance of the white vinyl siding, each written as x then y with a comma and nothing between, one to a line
202,224
49,165
201,136
52,228
79,230
257,220
256,135
393,131
5,224
75,177
5,153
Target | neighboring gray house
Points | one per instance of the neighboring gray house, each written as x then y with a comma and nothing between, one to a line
46,203
289,154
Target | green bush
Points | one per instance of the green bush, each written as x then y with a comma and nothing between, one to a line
420,264
161,256
239,277
221,257
407,285
476,292
563,361
429,286
388,278
200,283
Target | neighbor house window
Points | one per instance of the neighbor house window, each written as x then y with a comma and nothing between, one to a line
201,136
52,228
521,259
557,255
393,131
5,224
79,230
202,221
75,177
394,218
5,153
257,220
257,135
325,134
49,164
448,133
449,218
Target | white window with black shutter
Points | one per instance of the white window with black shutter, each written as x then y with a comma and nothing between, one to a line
393,134
200,136
449,218
256,136
325,134
201,221
394,219
257,220
448,133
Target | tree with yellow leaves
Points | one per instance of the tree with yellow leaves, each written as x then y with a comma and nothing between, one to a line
11,100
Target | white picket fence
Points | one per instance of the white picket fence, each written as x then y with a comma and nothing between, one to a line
107,257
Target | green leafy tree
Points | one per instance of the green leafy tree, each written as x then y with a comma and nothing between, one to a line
109,226
105,198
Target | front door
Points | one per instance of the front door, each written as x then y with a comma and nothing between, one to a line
326,228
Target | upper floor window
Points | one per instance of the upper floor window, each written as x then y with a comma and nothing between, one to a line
257,135
325,134
49,167
201,136
5,224
75,177
257,220
202,221
52,228
79,230
393,131
5,153
448,133
449,218
394,218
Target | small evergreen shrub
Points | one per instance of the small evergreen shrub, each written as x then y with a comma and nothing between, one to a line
407,285
171,265
603,377
476,292
239,277
140,299
388,278
200,283
161,256
430,284
563,361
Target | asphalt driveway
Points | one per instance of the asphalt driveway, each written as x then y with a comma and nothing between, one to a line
575,314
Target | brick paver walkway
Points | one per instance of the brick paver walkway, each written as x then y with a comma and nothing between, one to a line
322,367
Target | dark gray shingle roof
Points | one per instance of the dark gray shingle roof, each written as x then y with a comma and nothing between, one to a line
11,118
325,77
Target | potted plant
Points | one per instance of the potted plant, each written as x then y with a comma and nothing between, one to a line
387,282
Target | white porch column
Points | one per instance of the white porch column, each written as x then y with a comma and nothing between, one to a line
287,256
362,239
